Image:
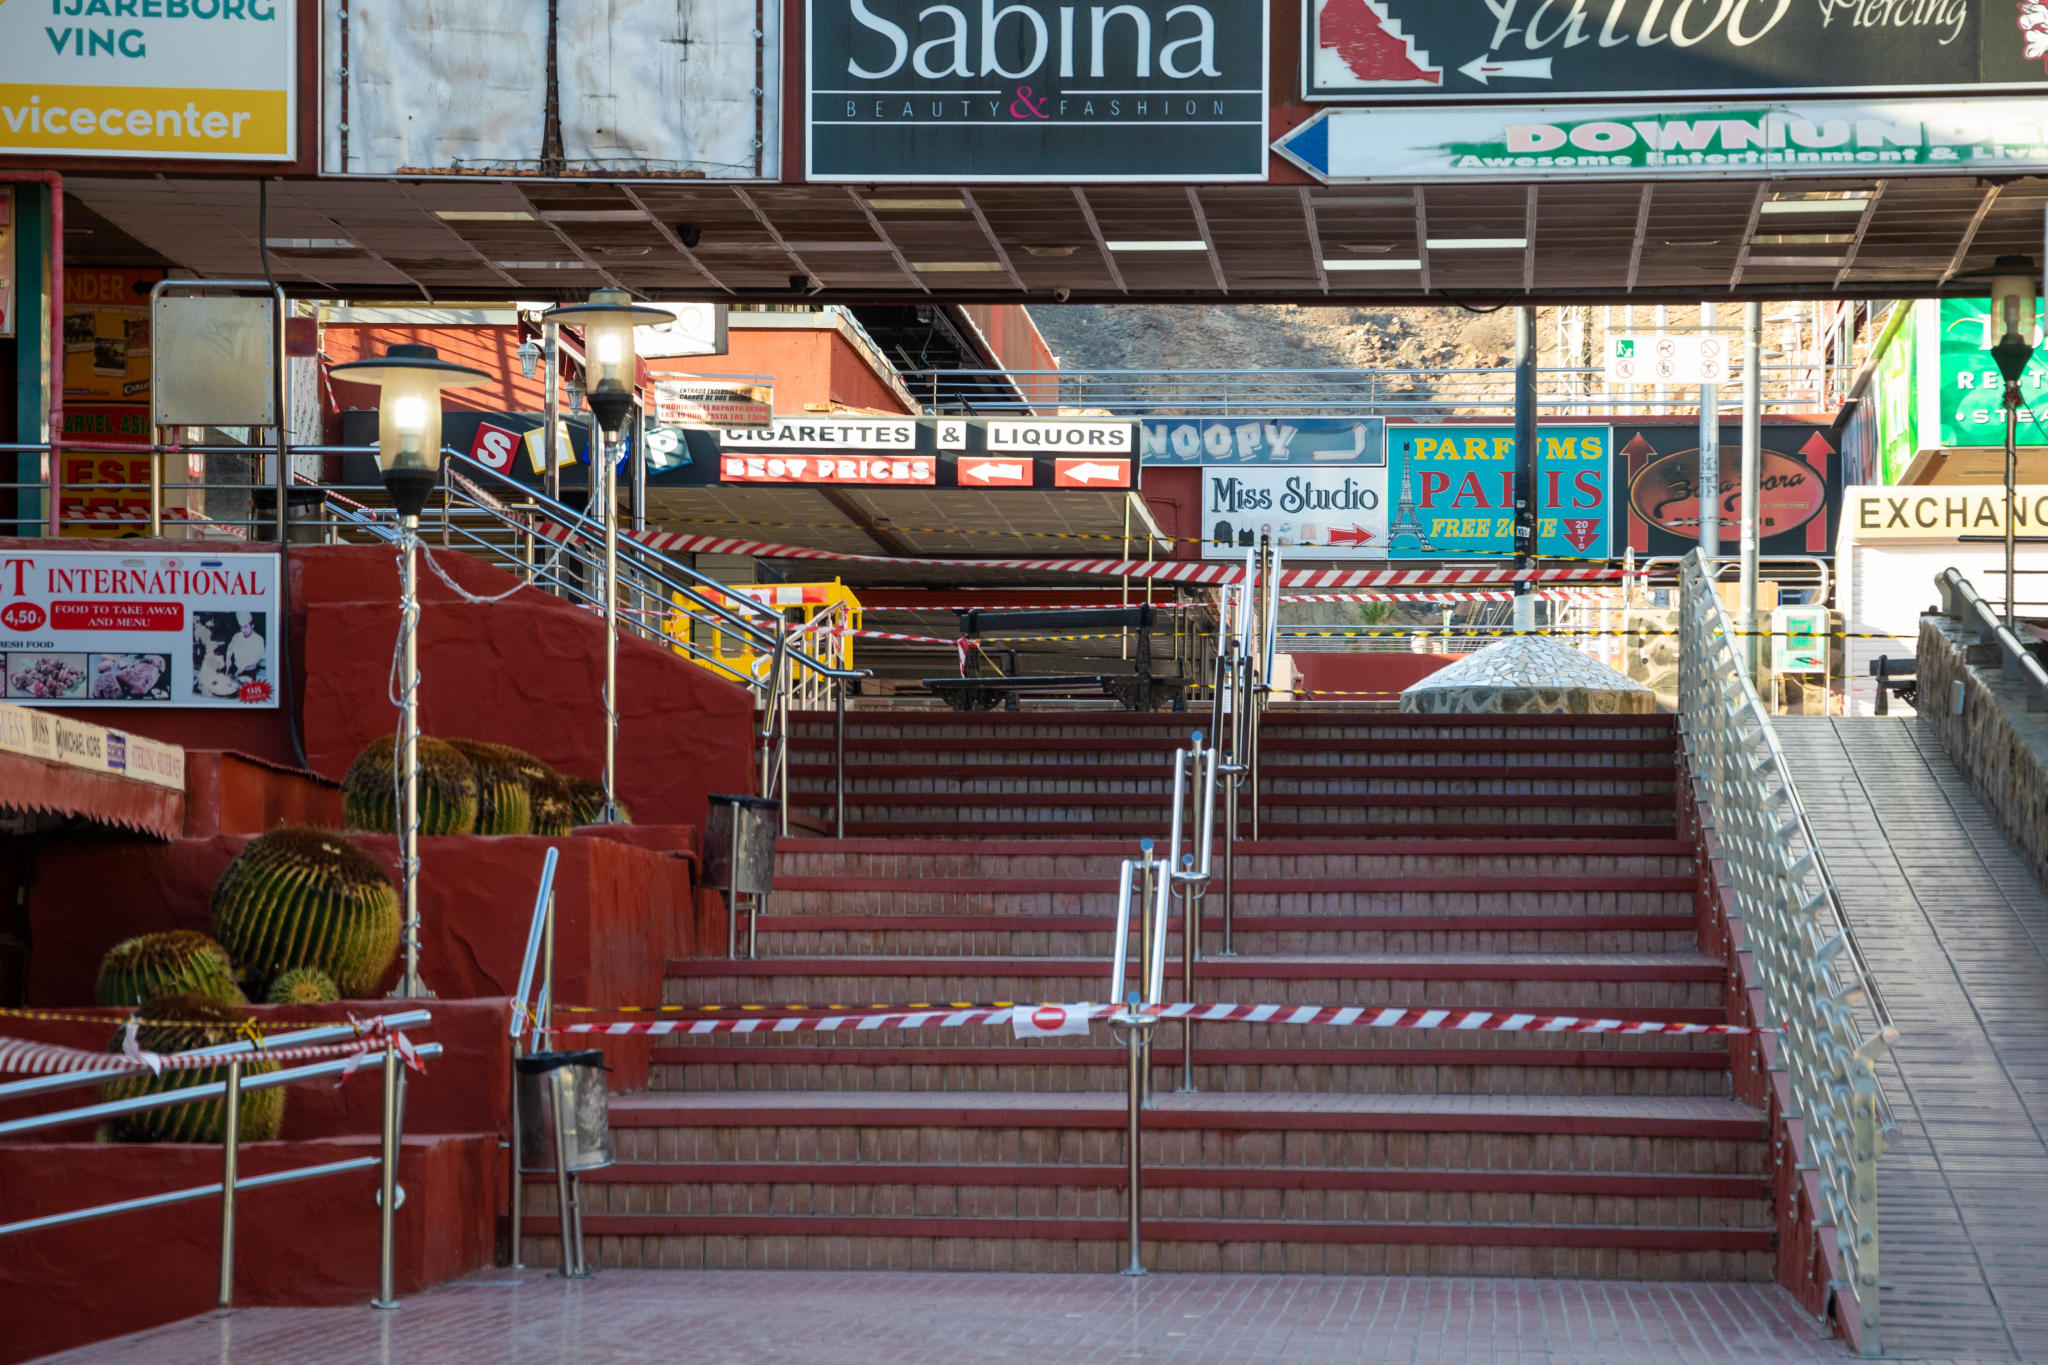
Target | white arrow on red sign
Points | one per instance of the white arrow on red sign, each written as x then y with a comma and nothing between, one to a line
992,471
1087,472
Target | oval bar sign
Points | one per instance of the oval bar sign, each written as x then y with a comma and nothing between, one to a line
1666,492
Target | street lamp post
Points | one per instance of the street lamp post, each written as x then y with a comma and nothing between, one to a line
2012,307
409,457
610,371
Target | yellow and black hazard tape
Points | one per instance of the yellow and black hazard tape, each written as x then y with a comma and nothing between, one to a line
1466,632
123,1014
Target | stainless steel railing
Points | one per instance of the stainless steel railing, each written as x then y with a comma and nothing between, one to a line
2016,662
1194,777
230,1091
531,1015
1814,978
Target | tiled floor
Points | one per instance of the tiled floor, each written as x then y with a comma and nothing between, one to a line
825,1318
1957,933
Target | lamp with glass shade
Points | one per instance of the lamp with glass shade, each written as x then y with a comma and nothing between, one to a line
2012,320
611,366
409,457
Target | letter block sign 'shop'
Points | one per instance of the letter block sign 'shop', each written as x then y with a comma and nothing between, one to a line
207,79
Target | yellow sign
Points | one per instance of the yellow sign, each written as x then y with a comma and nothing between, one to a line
1943,512
91,120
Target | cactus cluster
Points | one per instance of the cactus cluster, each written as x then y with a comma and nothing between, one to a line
308,898
176,962
301,986
503,802
179,1023
586,798
448,789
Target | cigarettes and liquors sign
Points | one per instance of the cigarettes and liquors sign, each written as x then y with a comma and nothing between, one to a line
898,90
85,628
1467,51
1632,142
213,80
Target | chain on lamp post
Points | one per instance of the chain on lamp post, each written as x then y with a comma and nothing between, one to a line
409,457
2012,308
610,371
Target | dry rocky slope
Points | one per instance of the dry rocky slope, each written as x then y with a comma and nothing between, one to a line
1280,336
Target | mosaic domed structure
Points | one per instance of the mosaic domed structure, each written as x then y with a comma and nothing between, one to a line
1528,675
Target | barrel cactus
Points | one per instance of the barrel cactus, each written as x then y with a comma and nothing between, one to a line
587,797
308,898
179,1023
301,986
553,805
448,792
503,805
176,962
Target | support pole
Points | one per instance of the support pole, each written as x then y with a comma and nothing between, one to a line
408,756
1710,459
387,1183
1525,462
1149,868
230,1153
1752,464
2012,473
551,455
1135,1176
518,1200
601,443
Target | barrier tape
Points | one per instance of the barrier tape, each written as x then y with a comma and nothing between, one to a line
70,1017
1168,571
21,1056
1358,1016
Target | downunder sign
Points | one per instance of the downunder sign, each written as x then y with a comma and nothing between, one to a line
899,90
1630,142
211,80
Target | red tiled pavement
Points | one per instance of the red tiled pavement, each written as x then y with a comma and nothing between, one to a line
834,1318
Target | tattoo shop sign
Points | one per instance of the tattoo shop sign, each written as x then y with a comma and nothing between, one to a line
84,628
904,91
1467,51
1807,139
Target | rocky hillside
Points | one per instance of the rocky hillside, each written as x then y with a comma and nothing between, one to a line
1277,336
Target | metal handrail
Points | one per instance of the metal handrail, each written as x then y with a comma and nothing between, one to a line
1796,932
2016,662
539,956
1190,877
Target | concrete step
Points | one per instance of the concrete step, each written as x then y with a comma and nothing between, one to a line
1584,1187
1083,765
1670,987
1309,863
1081,786
809,936
1170,731
1068,822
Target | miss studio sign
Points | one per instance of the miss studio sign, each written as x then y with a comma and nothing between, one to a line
901,90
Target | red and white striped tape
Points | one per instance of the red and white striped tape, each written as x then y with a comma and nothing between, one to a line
1355,1016
1166,571
21,1056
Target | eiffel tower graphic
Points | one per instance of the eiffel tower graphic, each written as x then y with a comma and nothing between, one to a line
1406,523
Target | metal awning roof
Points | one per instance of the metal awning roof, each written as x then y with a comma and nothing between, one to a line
1674,240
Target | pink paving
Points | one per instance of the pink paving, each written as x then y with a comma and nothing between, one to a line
829,1318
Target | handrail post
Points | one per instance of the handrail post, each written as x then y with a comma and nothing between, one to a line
387,1182
839,762
1146,911
230,1159
1138,1042
518,1199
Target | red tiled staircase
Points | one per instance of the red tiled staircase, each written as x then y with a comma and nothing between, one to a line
1481,862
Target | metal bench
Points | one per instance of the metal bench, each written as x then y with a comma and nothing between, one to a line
1140,690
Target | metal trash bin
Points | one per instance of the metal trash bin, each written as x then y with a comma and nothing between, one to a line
570,1084
739,858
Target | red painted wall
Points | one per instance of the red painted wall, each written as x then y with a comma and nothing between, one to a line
622,912
313,1242
1382,676
809,366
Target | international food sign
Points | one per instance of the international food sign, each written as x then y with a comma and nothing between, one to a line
86,628
211,80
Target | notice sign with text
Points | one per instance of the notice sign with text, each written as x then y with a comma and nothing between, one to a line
212,80
1333,513
899,91
84,628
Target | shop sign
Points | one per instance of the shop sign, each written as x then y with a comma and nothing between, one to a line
106,334
902,471
1971,398
1895,387
91,628
1312,513
213,80
1263,440
1807,139
824,433
1949,513
1467,51
1091,473
900,91
712,403
1798,483
1454,492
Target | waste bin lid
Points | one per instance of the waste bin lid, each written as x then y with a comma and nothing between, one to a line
753,802
542,1062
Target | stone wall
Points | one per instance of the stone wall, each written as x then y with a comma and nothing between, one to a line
1997,741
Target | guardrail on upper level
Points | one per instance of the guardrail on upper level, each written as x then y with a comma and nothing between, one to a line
2016,662
1811,970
